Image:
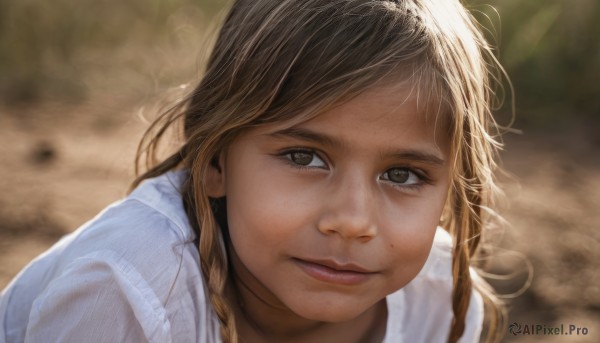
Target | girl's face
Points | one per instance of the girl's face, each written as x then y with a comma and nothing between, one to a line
330,216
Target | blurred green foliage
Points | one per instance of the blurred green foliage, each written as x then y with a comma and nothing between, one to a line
44,45
550,48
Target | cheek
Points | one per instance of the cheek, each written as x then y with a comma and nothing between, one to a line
406,255
409,235
250,206
261,209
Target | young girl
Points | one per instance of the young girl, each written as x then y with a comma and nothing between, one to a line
331,187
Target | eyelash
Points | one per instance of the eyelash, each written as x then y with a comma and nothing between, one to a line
422,176
286,155
423,179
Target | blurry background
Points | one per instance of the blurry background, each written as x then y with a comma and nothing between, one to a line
77,78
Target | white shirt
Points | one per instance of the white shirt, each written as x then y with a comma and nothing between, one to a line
132,274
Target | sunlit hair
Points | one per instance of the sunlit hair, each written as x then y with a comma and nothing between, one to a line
286,61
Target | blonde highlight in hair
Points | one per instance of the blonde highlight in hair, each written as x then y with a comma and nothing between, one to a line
286,61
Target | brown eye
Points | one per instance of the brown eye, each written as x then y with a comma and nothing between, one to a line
302,158
305,158
401,176
398,175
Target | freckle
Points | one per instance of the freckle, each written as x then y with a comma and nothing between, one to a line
392,245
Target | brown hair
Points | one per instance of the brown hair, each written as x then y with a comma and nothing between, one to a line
286,60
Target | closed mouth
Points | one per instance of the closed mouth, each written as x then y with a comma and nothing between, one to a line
341,267
332,272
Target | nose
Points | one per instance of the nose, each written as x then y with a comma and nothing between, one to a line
350,210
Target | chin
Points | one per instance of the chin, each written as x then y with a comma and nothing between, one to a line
329,312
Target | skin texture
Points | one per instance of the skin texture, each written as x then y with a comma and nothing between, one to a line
360,186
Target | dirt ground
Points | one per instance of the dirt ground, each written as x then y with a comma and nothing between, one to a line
62,163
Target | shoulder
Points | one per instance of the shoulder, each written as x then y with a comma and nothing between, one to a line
151,219
427,299
133,270
148,229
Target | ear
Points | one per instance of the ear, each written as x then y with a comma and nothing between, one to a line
215,177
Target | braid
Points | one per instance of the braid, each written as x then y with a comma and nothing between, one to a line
213,260
466,226
212,256
216,281
461,290
471,192
467,241
461,293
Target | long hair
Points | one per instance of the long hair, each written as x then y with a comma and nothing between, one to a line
288,60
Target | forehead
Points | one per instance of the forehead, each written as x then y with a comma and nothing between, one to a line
391,113
380,122
391,103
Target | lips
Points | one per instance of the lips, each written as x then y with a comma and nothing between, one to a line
330,271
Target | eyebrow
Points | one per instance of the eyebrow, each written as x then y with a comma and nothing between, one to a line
315,137
419,156
307,135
